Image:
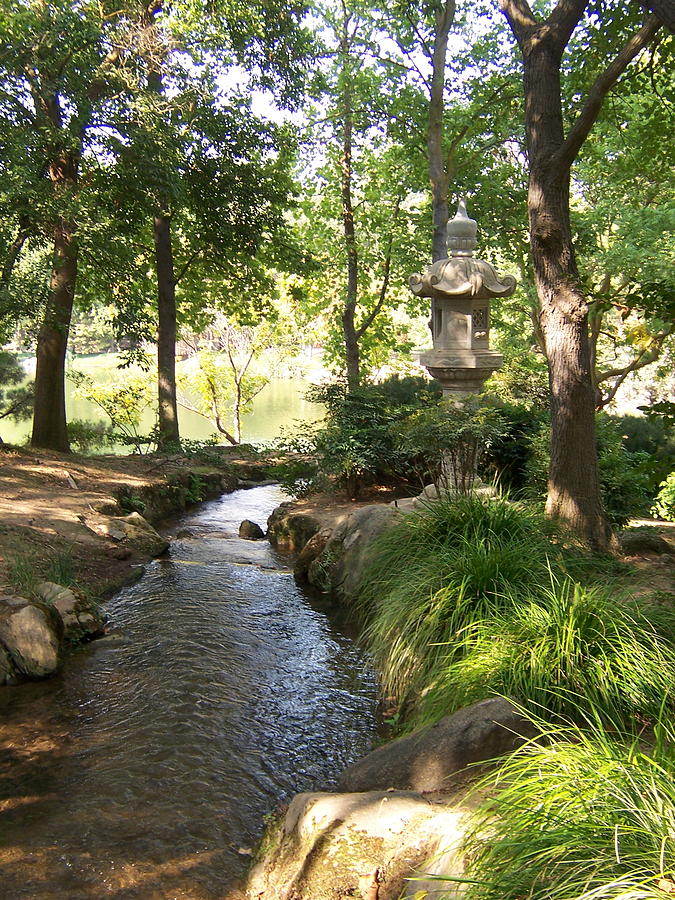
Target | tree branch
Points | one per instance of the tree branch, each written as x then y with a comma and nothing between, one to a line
564,19
603,83
520,19
370,318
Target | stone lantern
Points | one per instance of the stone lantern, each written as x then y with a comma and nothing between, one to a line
460,287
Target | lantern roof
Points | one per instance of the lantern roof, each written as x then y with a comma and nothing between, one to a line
462,275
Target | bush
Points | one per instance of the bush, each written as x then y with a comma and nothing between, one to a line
356,445
653,436
445,444
580,814
664,507
86,436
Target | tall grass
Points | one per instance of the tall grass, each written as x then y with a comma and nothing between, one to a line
25,571
581,814
439,569
474,597
566,648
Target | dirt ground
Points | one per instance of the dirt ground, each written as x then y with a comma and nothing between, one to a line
50,508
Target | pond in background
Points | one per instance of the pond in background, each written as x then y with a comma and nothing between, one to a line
280,404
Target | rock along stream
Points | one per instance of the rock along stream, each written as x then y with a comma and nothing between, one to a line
146,768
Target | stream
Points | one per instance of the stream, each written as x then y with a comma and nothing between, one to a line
145,769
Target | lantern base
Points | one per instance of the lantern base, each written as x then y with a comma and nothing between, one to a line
461,371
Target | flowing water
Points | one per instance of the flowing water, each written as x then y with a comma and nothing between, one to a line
145,769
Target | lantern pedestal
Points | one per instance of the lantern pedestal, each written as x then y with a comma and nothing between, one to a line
461,372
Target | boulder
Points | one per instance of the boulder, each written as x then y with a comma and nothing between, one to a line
340,566
251,531
423,761
291,530
31,633
8,673
313,548
82,619
136,532
358,845
644,543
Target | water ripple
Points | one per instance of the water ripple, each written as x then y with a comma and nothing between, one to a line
223,692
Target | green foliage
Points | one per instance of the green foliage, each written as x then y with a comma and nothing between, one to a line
474,597
358,442
196,489
86,436
664,507
123,403
25,572
580,813
567,649
16,400
445,443
652,435
130,503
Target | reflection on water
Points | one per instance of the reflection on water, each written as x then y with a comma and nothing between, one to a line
145,770
279,405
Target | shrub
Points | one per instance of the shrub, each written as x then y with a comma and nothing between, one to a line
445,444
86,436
581,814
624,476
664,507
356,444
653,436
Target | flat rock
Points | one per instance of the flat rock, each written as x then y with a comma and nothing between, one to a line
82,619
425,760
340,566
138,533
367,845
644,543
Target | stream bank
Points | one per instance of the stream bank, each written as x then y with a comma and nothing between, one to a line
146,769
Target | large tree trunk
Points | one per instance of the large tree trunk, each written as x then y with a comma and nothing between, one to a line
49,413
49,417
574,483
166,334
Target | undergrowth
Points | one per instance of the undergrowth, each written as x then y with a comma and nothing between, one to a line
25,572
581,813
473,597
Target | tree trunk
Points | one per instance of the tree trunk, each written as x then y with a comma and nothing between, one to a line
574,485
166,334
438,174
237,412
49,417
351,338
49,410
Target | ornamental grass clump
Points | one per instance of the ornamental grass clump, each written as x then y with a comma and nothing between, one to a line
565,648
580,814
435,574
